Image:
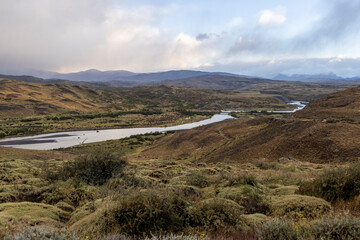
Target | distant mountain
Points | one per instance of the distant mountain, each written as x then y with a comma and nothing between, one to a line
329,78
121,77
173,75
91,75
216,82
299,77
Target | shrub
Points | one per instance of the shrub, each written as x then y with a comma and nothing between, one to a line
95,168
41,234
240,179
216,214
251,198
150,211
137,214
154,237
277,229
298,206
336,229
335,184
198,179
253,221
344,228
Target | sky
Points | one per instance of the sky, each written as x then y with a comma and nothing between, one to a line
258,38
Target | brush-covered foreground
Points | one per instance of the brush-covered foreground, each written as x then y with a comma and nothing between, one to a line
105,191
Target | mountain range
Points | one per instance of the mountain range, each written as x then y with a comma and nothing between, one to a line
93,77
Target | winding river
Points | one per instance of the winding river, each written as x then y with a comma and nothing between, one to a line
68,139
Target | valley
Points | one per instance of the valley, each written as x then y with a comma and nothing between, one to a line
241,178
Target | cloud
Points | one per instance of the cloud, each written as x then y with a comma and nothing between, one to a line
206,36
269,17
338,26
347,67
235,22
45,34
72,35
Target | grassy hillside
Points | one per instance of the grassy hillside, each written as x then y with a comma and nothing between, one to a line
20,99
340,105
291,90
245,140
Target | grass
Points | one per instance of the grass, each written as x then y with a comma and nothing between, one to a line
183,196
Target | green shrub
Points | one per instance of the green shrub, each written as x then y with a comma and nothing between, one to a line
198,179
335,184
216,214
240,179
251,198
146,212
277,229
336,229
95,168
345,228
298,207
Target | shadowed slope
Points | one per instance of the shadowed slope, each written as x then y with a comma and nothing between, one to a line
343,104
247,140
302,138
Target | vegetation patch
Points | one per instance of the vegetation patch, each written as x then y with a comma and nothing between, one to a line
335,184
298,207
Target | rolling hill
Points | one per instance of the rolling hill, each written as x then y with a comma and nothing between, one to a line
19,99
340,105
304,136
290,89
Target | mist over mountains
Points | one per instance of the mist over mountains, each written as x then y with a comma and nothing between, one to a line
94,77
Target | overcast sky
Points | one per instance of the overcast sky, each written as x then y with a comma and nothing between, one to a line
259,37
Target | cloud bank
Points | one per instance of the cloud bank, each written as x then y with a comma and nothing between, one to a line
114,34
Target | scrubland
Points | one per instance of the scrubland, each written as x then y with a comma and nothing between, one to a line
272,177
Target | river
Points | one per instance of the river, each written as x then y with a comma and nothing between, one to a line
68,139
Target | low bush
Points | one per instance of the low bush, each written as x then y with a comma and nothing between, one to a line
335,184
138,213
251,198
95,168
345,228
155,237
216,214
41,234
298,207
277,229
150,211
198,179
240,179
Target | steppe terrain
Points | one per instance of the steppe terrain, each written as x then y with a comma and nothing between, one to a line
271,176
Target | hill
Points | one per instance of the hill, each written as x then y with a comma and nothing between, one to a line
304,136
216,82
248,140
290,89
19,99
340,105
